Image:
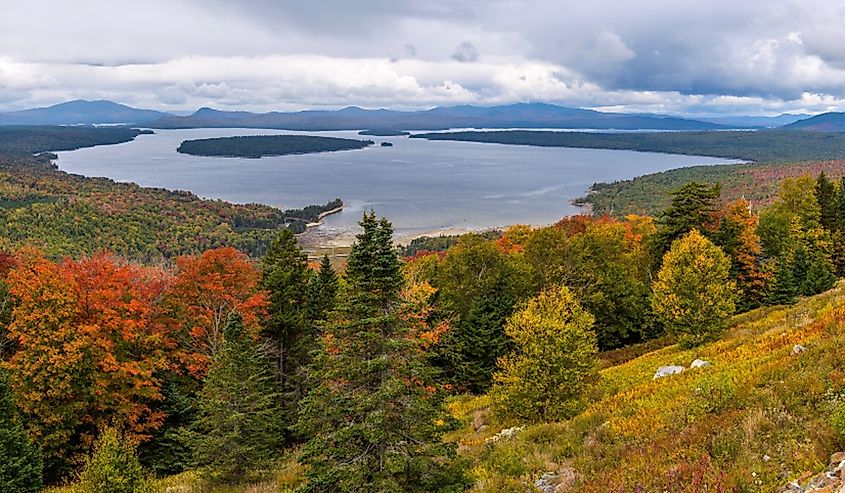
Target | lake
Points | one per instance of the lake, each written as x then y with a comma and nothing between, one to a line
421,186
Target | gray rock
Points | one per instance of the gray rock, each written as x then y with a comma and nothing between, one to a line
699,363
664,371
798,349
546,483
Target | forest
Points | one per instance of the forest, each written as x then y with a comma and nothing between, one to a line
256,146
451,370
24,141
759,146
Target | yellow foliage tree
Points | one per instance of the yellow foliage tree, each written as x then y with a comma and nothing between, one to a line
693,295
545,377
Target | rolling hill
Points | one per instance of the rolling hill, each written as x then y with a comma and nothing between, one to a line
81,112
826,122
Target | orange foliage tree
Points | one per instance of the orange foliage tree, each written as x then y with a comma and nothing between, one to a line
206,290
90,347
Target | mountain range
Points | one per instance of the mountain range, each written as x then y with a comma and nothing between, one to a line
519,115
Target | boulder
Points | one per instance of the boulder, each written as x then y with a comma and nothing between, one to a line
699,363
664,371
798,349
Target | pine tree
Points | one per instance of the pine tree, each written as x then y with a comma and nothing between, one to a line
800,265
113,468
783,290
239,420
20,460
840,204
374,417
820,276
322,291
826,197
692,207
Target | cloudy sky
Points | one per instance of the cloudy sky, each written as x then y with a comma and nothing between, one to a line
667,56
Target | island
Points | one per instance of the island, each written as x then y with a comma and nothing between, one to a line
256,146
387,144
384,133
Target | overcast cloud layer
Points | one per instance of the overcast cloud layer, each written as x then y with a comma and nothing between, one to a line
665,56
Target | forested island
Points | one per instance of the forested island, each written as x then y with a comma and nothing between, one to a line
21,141
758,146
256,146
384,133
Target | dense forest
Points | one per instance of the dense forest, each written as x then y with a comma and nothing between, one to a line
490,364
24,141
384,133
256,146
758,146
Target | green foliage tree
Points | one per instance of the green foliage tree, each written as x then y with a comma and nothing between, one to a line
285,276
819,277
374,418
825,192
239,420
692,207
545,377
693,294
20,460
114,467
782,290
840,204
322,291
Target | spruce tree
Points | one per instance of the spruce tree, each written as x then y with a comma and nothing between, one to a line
782,290
285,276
820,276
322,291
374,418
239,420
20,460
692,207
825,192
113,468
800,265
840,204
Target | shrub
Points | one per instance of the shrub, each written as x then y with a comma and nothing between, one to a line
113,468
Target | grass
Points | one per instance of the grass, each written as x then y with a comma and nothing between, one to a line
757,418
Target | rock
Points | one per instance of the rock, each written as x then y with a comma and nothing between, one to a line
766,458
837,458
699,363
798,349
546,482
664,371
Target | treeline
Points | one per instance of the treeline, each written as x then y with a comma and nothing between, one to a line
71,215
256,146
759,146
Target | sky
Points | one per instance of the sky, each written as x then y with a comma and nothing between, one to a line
697,58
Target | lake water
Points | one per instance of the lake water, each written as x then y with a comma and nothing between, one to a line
421,186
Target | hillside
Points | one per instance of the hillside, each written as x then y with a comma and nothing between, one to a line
530,115
755,419
826,122
81,112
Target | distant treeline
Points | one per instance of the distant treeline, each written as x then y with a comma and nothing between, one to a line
256,146
442,243
758,146
18,142
384,133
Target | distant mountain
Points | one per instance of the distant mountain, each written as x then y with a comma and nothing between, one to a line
826,122
756,121
81,112
521,115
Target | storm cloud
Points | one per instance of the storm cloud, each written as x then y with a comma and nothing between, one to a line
662,56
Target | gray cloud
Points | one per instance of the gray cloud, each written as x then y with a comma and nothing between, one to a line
654,55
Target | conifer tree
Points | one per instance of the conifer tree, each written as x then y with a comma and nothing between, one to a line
826,197
239,420
374,417
782,290
840,204
20,460
800,265
322,291
692,207
114,467
819,277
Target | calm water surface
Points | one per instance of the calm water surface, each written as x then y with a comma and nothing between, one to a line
422,186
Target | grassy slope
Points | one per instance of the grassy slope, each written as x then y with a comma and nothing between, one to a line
694,431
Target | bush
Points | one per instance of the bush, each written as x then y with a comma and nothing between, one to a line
113,468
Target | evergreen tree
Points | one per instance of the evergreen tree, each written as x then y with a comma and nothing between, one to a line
113,468
20,460
239,420
800,265
782,290
840,204
692,207
820,276
374,418
285,276
322,291
825,192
